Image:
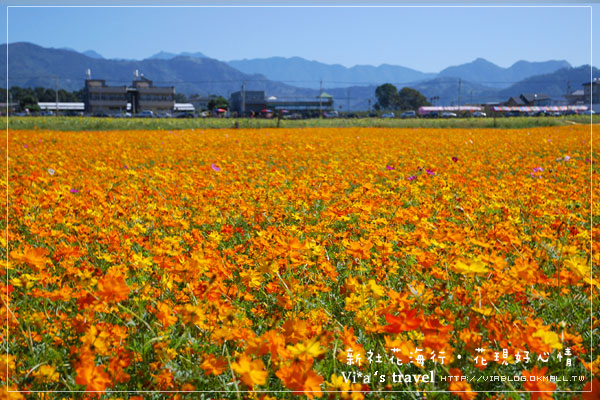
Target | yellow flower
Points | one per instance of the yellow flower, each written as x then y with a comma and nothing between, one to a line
252,372
474,268
311,348
549,338
579,266
46,373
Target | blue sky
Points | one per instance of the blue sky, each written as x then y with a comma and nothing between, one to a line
426,39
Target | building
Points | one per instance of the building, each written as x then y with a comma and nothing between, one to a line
529,99
99,98
591,94
146,96
308,106
255,102
200,102
515,102
247,102
576,97
8,107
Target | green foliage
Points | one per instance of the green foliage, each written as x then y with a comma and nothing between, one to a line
389,98
28,97
411,99
92,123
387,95
217,102
180,98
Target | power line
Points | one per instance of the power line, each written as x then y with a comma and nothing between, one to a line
240,80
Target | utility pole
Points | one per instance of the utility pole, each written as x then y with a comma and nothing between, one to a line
320,97
348,101
243,99
56,92
459,82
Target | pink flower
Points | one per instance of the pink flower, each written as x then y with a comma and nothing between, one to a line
215,167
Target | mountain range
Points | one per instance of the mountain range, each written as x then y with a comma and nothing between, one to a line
480,81
165,55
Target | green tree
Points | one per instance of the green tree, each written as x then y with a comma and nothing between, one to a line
180,98
30,102
387,97
411,99
217,102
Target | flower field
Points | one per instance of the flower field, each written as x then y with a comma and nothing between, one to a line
278,263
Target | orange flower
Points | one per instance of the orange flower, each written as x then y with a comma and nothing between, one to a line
593,390
213,365
300,378
10,393
112,287
90,375
360,249
252,372
164,314
462,389
405,321
540,388
34,257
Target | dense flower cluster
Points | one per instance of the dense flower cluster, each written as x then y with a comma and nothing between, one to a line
251,260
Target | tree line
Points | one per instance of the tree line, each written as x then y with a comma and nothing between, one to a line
390,98
28,98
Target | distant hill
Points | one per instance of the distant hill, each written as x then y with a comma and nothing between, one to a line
554,84
489,74
446,88
92,54
164,55
30,65
300,72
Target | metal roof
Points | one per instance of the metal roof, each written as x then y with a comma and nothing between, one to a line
184,107
428,109
539,108
62,106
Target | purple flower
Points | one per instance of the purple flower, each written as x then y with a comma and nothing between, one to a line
455,159
73,190
389,167
215,167
538,169
430,172
567,158
411,178
25,146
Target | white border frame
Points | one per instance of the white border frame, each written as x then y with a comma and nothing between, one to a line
109,392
